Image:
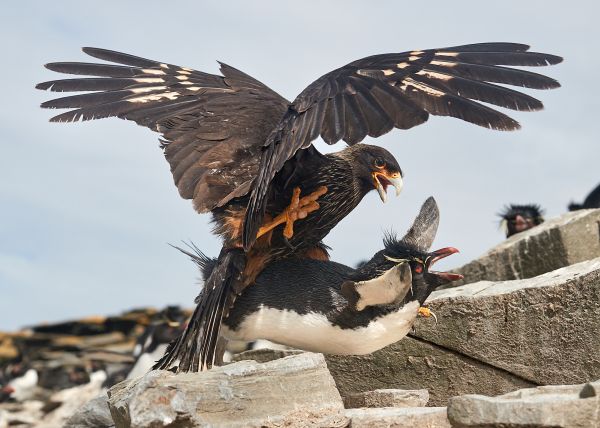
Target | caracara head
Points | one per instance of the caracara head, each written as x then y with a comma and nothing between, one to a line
376,168
518,218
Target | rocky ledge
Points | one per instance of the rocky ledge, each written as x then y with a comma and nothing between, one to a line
520,349
491,338
298,391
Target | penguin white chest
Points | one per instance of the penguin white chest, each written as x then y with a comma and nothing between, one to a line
314,332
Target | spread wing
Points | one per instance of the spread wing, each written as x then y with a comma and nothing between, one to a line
373,95
213,127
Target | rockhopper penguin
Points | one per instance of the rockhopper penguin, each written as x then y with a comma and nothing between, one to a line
519,218
324,306
244,153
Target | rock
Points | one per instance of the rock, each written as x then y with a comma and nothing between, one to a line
71,400
246,393
25,414
543,329
422,417
412,364
388,398
94,414
491,338
562,406
571,238
264,355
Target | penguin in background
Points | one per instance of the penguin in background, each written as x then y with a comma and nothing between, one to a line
324,306
592,200
166,326
516,218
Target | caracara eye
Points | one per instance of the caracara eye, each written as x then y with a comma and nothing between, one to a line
379,163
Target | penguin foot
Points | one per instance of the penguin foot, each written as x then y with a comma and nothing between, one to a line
426,312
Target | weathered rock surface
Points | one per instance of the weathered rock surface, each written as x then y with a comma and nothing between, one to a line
69,400
492,338
388,398
264,355
562,406
25,414
543,329
422,417
412,364
290,391
562,241
94,414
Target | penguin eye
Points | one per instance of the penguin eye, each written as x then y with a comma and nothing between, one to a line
419,268
379,163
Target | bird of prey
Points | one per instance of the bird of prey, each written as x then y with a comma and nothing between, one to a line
244,153
518,218
323,306
591,201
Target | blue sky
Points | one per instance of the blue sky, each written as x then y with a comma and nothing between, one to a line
87,209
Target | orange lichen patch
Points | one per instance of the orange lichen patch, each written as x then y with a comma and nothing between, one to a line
8,350
93,319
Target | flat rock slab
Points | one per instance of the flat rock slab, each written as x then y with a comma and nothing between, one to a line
264,355
388,398
283,392
413,364
571,238
543,329
421,417
94,414
491,338
562,406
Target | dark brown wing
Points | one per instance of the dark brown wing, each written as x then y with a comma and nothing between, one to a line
373,95
214,127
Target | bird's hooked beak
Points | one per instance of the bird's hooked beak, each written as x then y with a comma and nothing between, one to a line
438,255
383,178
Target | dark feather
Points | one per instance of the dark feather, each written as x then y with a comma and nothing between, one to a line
443,82
196,347
196,112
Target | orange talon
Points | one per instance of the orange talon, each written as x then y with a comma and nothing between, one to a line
299,208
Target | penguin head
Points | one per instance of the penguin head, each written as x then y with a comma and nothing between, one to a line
518,218
402,271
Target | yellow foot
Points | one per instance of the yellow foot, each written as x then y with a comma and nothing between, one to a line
298,209
426,312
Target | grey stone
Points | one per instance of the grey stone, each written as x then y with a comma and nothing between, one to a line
264,355
422,417
571,238
388,398
94,414
491,338
412,364
543,329
559,406
246,393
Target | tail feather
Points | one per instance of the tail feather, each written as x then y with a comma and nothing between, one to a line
196,348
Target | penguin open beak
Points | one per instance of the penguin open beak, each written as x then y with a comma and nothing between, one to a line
438,255
382,179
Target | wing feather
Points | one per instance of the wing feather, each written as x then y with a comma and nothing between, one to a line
372,95
200,115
